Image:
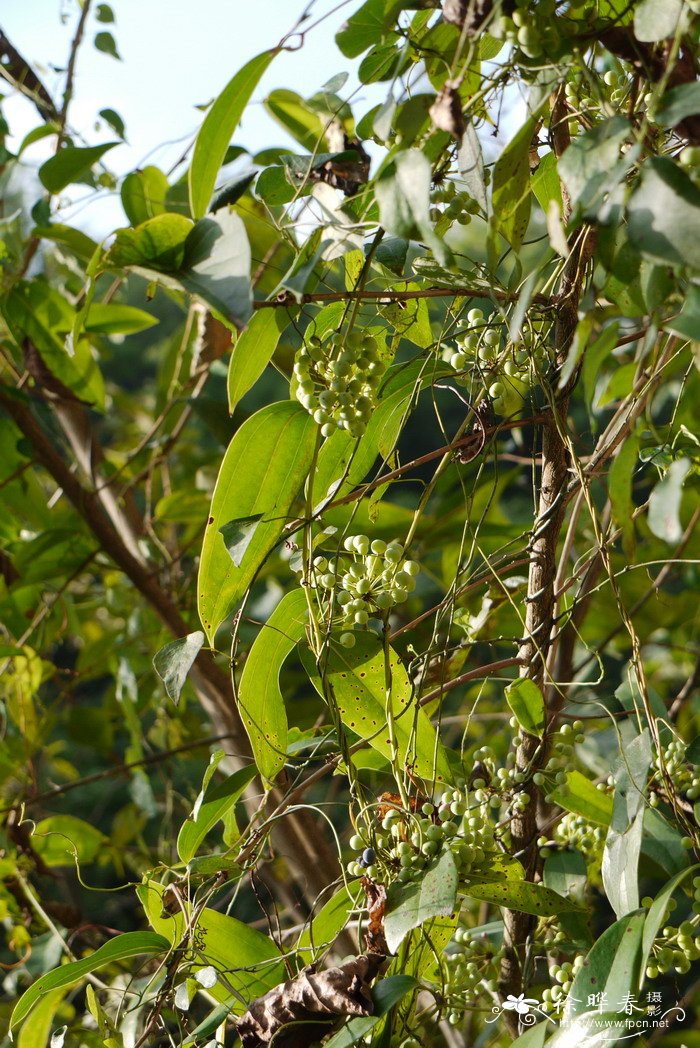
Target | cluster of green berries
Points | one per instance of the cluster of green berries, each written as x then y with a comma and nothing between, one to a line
676,948
562,976
338,379
507,369
456,206
471,961
684,776
573,831
533,36
561,756
368,580
405,843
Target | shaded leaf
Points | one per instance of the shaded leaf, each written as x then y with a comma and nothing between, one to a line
470,162
665,502
106,43
70,164
663,214
63,840
403,196
143,194
238,534
217,265
158,243
656,19
523,896
677,103
175,660
511,197
620,491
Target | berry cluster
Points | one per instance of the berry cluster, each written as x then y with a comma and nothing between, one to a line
508,370
534,31
561,753
470,962
684,776
337,380
573,831
676,948
562,976
370,579
459,206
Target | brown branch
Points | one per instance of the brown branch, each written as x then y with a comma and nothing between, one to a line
70,72
18,72
286,298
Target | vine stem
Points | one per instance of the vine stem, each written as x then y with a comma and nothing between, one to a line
286,298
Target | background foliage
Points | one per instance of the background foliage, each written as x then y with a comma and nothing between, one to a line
348,551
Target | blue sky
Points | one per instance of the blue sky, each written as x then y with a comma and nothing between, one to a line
176,55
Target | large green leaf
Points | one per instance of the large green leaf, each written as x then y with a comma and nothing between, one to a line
432,895
262,471
295,116
356,678
70,164
580,796
656,19
249,962
113,318
663,214
259,697
252,352
121,948
211,806
63,840
611,967
158,243
363,29
217,265
217,129
658,911
519,895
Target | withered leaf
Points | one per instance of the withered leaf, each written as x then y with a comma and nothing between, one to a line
376,903
446,111
301,1011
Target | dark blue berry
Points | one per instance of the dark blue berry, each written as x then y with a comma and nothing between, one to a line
368,857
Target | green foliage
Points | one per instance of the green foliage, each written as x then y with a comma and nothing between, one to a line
406,422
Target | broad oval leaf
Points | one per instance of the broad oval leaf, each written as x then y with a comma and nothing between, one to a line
63,840
262,471
527,703
356,677
158,243
70,164
175,660
113,318
210,808
121,948
143,194
664,214
219,125
580,796
259,697
523,896
623,844
432,895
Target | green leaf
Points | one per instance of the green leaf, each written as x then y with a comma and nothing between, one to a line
36,1033
678,103
658,911
511,197
523,896
534,1037
526,701
217,265
36,134
262,472
470,162
356,677
593,1029
363,29
663,214
587,165
291,111
545,183
82,246
121,948
175,660
665,503
35,310
211,806
410,905
112,318
143,194
656,19
217,130
70,164
106,43
612,966
63,840
620,491
111,117
253,351
623,843
580,796
594,357
403,196
158,243
259,697
250,959
386,994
